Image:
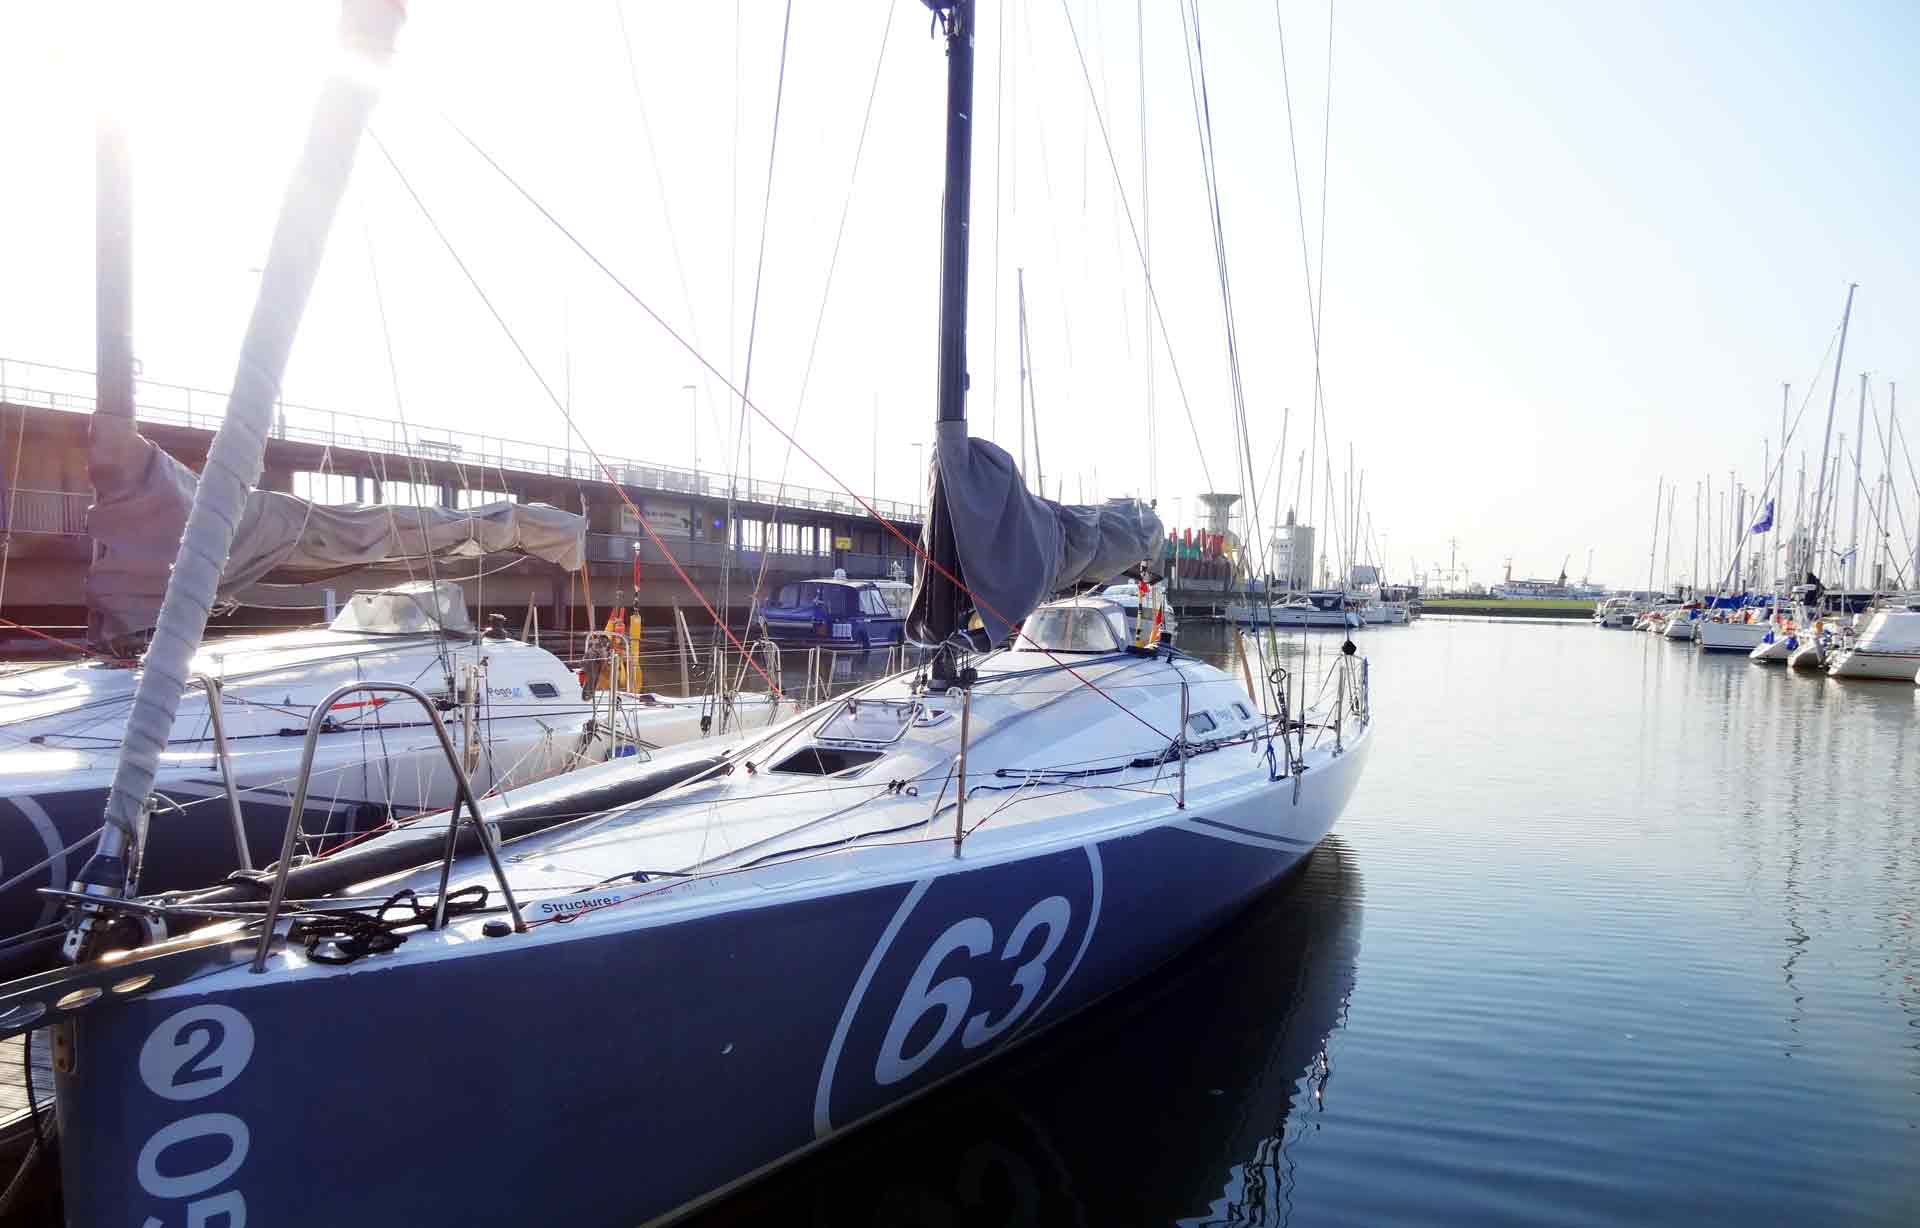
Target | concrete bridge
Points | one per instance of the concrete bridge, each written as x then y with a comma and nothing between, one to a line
337,456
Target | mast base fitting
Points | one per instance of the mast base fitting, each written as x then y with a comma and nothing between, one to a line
941,681
103,877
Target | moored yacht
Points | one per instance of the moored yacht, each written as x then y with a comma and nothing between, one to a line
516,712
1732,624
1615,612
1331,608
1147,611
674,997
1777,643
839,922
1886,646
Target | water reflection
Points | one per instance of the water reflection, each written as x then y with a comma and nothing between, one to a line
1640,949
1176,1102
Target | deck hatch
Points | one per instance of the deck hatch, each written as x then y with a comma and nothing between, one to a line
824,760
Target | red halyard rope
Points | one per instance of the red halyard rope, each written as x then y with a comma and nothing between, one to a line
82,649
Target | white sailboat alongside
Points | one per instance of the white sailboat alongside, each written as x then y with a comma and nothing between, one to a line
1729,634
516,712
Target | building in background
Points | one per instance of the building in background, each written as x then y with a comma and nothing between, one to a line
1292,555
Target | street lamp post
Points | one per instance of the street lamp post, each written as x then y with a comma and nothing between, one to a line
920,473
693,421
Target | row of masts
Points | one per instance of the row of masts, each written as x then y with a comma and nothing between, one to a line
1745,541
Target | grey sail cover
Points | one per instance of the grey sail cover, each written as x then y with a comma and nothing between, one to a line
141,507
1011,548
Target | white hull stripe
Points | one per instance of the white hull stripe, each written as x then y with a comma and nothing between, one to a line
1243,835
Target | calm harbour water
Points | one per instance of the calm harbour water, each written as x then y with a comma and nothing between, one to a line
1612,932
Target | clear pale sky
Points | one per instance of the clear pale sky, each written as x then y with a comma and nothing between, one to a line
1569,247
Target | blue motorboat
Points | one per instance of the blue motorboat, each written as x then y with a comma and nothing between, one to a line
835,611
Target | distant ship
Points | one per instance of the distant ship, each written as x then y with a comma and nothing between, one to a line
1548,588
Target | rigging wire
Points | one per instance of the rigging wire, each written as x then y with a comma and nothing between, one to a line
565,411
406,441
820,319
1899,514
1139,248
765,417
1146,259
733,220
1203,123
666,211
1315,290
1315,294
744,435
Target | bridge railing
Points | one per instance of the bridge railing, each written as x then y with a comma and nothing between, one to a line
25,382
59,512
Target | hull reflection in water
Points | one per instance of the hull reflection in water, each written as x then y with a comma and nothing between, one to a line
1173,1104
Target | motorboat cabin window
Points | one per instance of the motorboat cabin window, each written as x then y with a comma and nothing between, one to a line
896,596
1074,628
836,599
1200,722
872,604
424,607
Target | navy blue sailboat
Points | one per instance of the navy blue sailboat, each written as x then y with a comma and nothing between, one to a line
619,1018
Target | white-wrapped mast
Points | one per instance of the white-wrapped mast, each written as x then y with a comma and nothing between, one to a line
367,32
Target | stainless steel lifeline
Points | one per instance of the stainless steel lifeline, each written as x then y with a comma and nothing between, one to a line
464,795
240,848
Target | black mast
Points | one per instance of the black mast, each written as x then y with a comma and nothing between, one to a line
957,18
940,605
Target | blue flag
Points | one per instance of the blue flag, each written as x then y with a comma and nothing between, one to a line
1766,519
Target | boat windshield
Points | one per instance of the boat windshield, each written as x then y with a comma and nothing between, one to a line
896,595
1074,628
406,609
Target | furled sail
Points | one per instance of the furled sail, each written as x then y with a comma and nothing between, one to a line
1011,548
141,507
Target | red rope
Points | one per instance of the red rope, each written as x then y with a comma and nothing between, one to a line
82,649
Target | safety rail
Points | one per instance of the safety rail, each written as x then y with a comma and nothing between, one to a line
241,849
61,513
464,796
203,409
